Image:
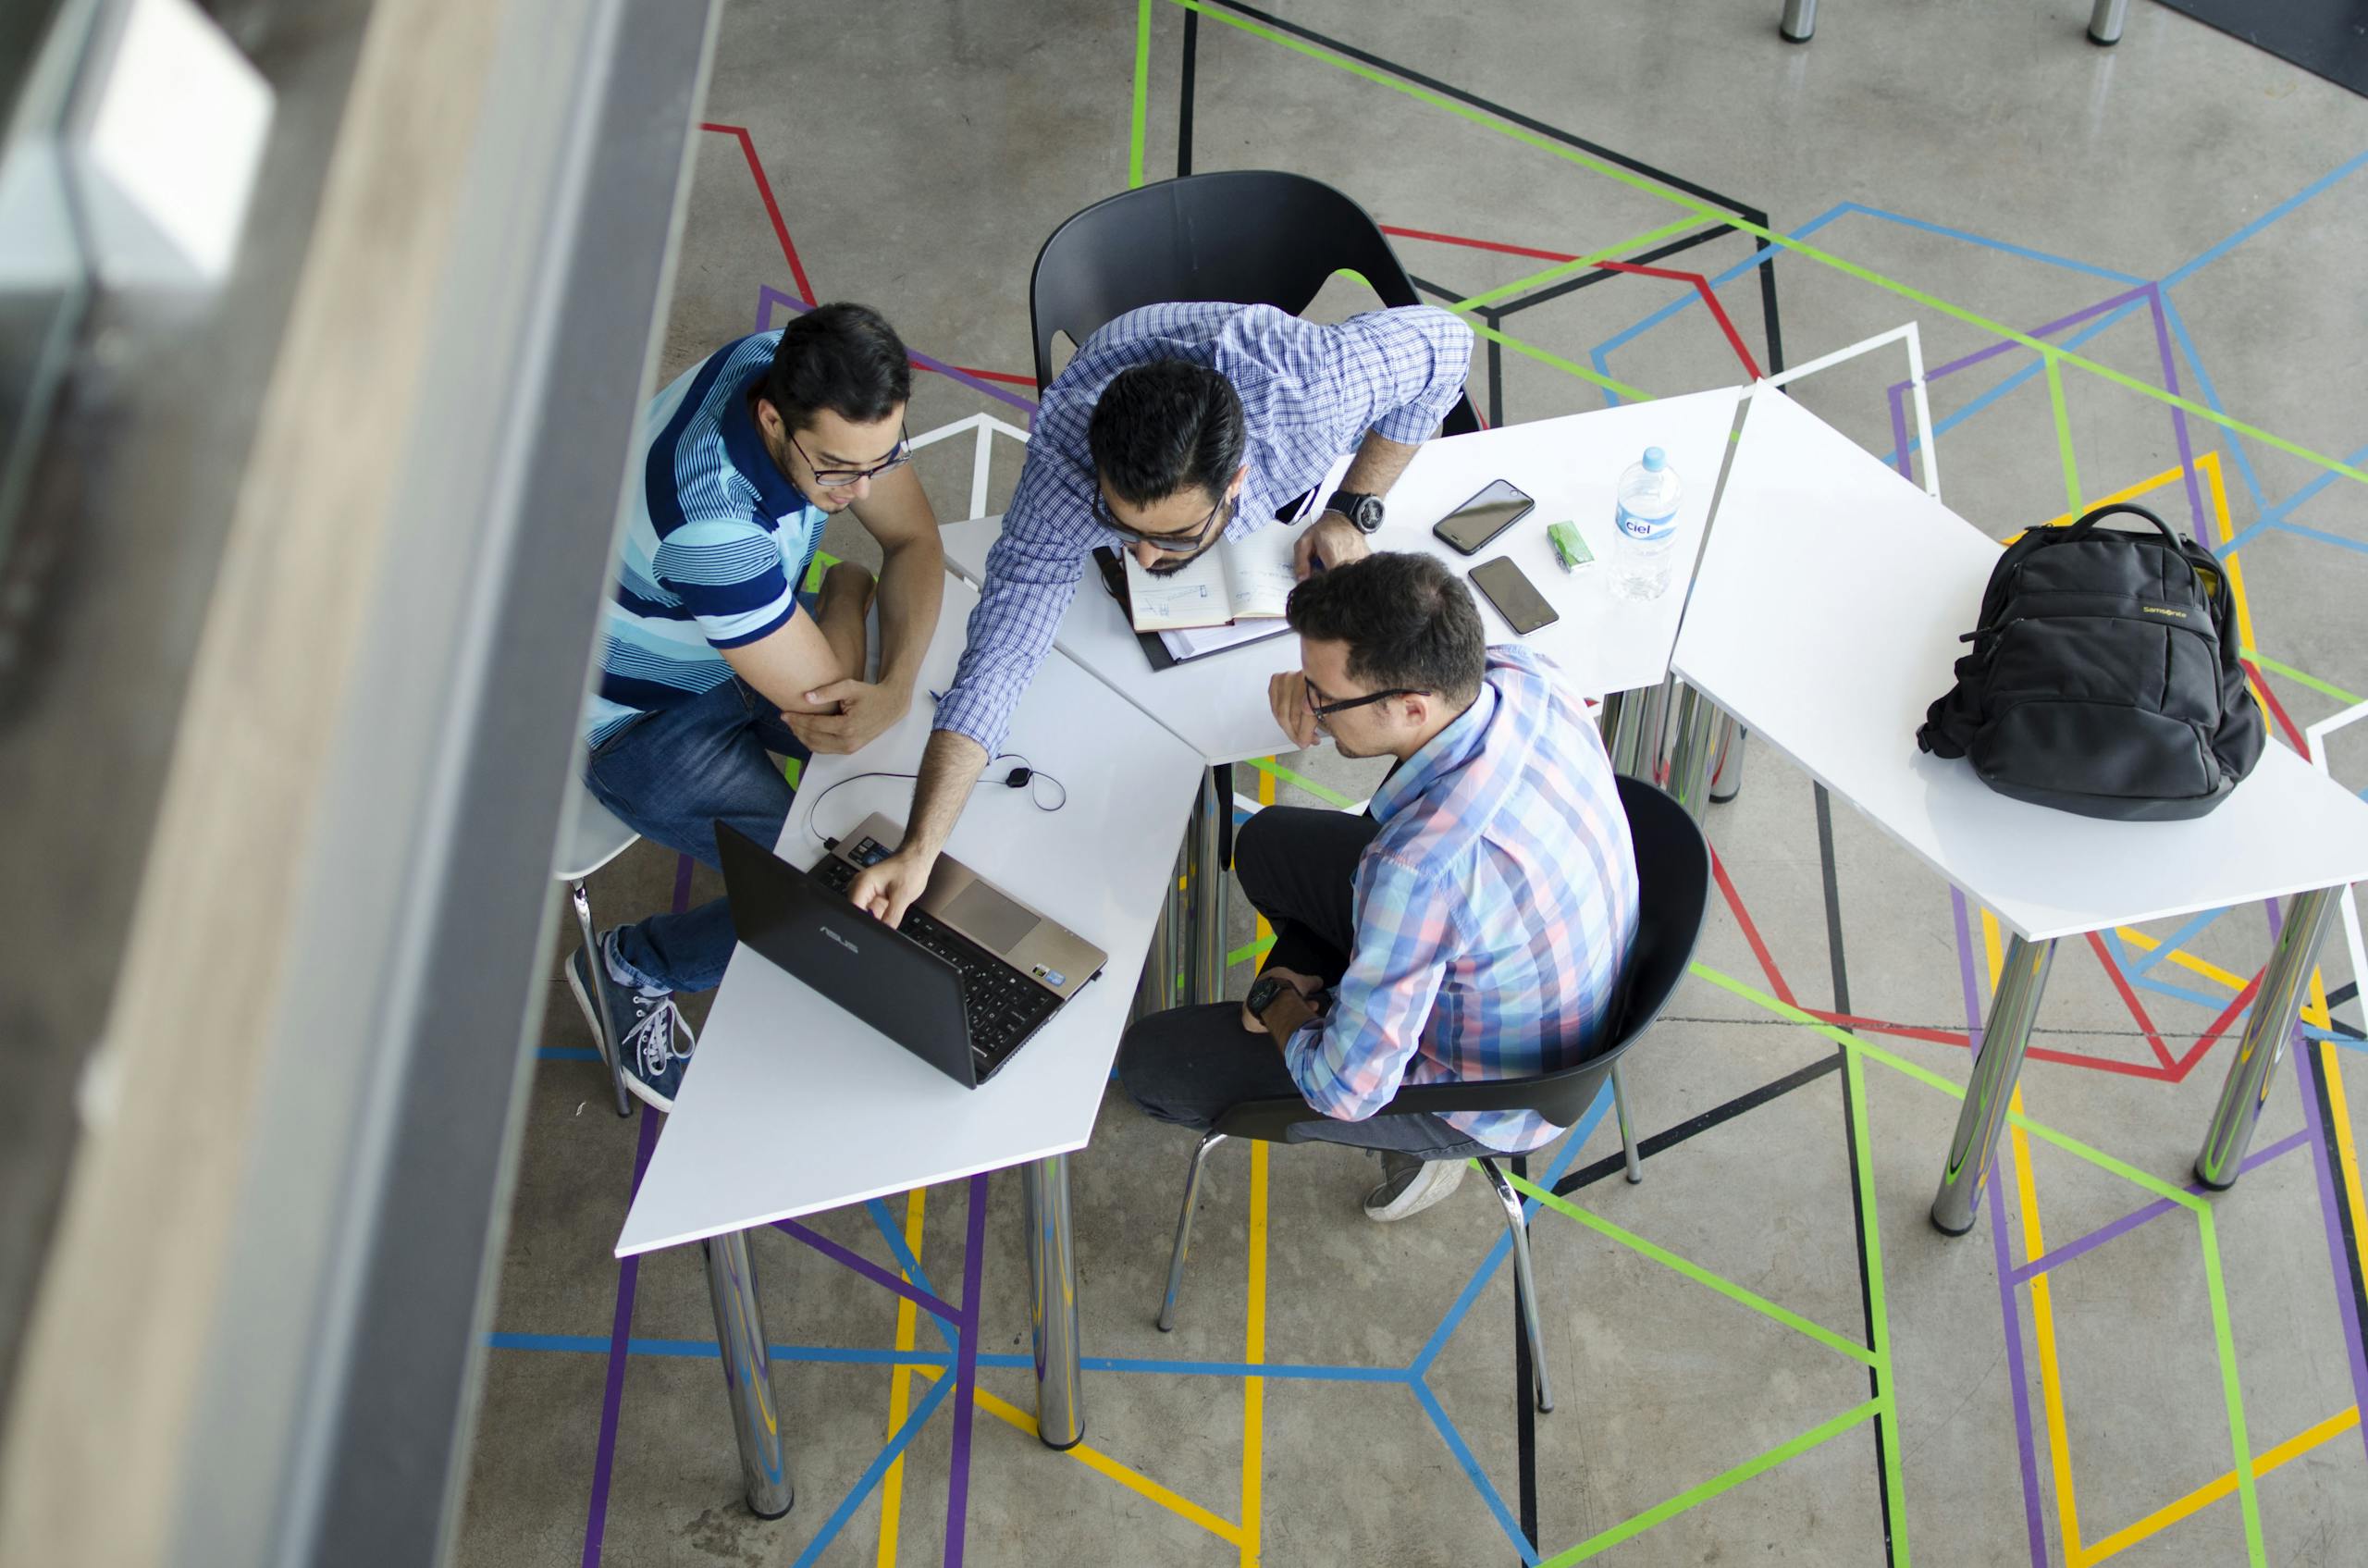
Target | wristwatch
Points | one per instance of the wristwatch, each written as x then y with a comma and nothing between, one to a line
1364,510
1263,991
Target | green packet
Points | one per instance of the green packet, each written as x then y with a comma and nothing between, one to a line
1569,548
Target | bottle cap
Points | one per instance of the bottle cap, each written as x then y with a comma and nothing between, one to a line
1655,460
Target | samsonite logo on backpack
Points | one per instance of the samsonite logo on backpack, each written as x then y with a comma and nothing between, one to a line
2104,676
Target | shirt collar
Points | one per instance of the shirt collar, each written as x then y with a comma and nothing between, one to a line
1441,755
746,446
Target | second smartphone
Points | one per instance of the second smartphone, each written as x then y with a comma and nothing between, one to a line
1481,518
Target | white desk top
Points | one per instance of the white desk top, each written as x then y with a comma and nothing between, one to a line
792,1106
1825,617
1569,466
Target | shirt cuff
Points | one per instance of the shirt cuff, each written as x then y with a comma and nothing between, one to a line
968,712
1413,424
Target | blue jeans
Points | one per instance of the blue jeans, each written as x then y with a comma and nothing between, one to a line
669,776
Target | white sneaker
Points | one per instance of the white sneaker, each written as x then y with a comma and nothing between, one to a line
1409,1185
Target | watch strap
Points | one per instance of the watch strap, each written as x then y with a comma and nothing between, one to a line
1358,507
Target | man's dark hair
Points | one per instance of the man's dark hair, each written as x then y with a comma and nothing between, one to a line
842,357
1161,427
1408,620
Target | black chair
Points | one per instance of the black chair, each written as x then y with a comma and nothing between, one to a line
1256,236
1674,880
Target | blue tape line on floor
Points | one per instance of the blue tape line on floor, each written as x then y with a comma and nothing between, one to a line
1504,1245
1456,1446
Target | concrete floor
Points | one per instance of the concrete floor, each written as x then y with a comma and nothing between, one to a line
1980,154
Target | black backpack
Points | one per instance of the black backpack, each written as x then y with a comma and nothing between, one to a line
2104,677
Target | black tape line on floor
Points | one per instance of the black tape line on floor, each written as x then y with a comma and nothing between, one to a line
1567,139
1866,1302
1669,1139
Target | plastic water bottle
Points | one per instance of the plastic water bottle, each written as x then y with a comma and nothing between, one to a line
1646,519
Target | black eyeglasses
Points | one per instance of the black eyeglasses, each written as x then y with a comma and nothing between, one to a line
840,478
1196,540
1321,711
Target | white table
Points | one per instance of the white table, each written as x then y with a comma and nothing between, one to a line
793,1106
1569,467
1825,617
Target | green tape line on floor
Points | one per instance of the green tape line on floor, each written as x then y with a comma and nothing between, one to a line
1695,1272
2324,688
1636,1526
1275,769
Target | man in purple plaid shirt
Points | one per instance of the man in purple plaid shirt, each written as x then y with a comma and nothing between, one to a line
1175,426
1473,927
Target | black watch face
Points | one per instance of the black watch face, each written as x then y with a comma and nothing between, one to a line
1368,513
1262,993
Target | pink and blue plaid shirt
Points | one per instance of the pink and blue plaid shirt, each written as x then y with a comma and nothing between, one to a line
1494,911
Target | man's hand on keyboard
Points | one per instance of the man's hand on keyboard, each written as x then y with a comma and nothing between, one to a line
887,888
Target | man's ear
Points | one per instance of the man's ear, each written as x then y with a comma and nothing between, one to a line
768,419
1241,477
1418,708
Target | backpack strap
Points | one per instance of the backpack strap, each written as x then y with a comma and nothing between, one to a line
2088,520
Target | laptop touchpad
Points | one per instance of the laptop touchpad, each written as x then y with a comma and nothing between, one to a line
988,918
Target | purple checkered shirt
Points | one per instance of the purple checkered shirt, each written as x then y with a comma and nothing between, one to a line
1494,910
1308,393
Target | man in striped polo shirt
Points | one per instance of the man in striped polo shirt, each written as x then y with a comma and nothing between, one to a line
711,661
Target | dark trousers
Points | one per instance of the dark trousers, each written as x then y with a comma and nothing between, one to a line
1191,1064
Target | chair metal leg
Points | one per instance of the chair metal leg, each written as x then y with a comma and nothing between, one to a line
1525,1282
1184,1232
1799,23
2104,21
607,1033
1627,1132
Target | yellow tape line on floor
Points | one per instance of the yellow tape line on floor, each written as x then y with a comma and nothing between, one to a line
1094,1459
891,1485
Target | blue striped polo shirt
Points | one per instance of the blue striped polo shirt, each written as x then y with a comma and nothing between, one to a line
713,552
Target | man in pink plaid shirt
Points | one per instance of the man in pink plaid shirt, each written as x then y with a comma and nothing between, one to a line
1472,926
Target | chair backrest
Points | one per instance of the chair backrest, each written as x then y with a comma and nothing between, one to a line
1256,236
1673,897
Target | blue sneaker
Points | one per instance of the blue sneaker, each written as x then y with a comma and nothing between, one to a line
656,1040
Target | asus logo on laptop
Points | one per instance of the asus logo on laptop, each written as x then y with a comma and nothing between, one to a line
840,940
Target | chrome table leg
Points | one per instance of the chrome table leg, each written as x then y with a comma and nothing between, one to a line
2267,1028
2004,1037
747,1374
1052,1279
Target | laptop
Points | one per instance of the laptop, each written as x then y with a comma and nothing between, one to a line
963,983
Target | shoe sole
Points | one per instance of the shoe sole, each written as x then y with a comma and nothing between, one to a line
1421,1194
633,1084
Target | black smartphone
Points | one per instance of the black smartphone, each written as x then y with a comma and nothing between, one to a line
1524,608
1482,517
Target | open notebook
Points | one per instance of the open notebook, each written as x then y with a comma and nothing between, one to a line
1244,579
1235,594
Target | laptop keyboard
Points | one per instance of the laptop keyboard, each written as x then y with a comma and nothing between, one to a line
1002,1006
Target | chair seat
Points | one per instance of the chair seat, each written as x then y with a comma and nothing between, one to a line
595,838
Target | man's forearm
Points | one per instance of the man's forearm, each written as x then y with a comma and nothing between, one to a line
840,620
950,766
1377,464
912,585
